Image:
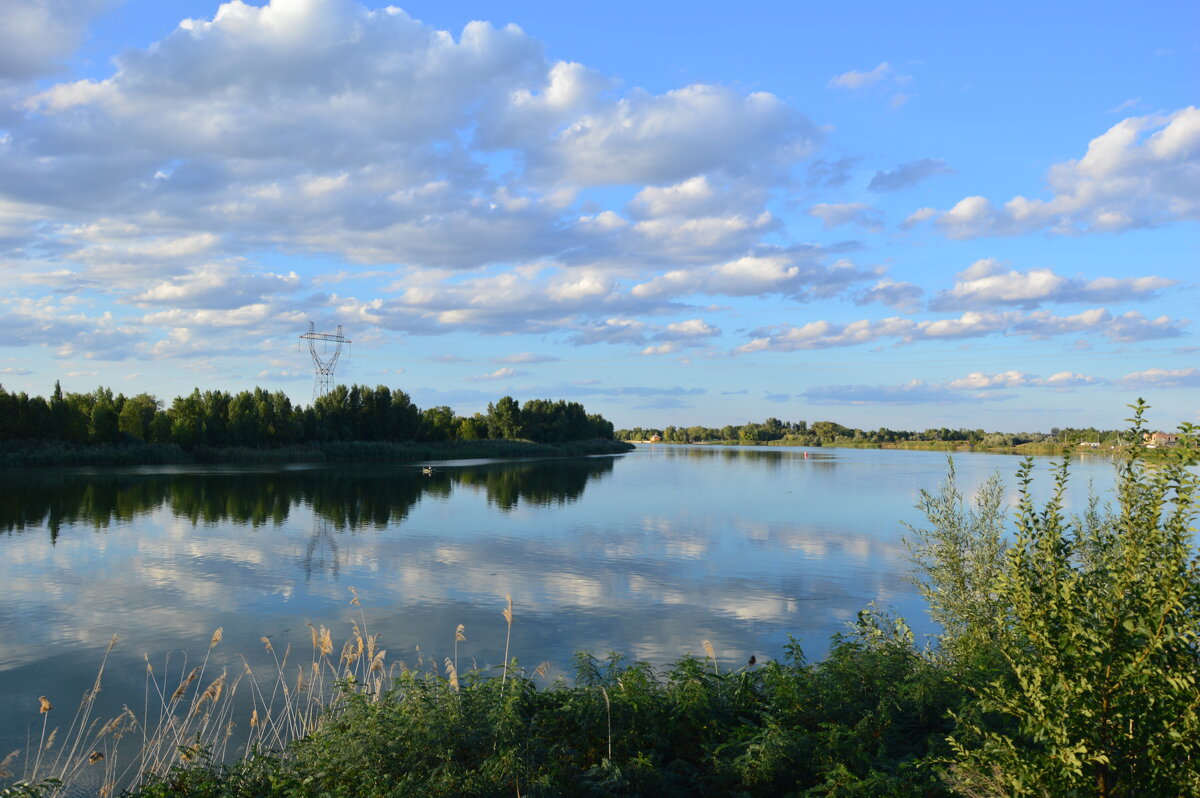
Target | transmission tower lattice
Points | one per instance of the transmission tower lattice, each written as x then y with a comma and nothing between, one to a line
323,362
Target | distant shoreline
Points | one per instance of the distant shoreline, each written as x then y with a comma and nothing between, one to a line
42,454
927,446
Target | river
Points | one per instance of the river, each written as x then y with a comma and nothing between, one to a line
646,554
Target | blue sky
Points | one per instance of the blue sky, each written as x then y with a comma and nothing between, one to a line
911,216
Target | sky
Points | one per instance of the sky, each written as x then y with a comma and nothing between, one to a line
901,215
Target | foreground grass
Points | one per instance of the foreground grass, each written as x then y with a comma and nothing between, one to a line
866,721
37,453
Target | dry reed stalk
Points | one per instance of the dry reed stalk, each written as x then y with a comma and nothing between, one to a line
6,762
460,635
204,721
608,707
712,654
508,618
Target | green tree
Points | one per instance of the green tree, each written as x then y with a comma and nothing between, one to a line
439,424
504,419
136,416
103,420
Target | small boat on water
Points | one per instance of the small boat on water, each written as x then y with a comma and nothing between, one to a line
427,470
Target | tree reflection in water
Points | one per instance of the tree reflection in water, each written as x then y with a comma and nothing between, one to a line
341,498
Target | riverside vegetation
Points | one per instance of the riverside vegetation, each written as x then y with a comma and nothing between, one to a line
352,423
1066,665
829,433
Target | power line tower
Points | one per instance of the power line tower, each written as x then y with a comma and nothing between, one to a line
323,362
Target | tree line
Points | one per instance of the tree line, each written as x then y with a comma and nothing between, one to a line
801,433
261,418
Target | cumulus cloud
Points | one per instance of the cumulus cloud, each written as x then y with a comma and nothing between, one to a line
1163,378
64,325
328,127
36,36
1143,171
542,298
220,286
645,138
986,283
798,273
908,174
1127,327
680,335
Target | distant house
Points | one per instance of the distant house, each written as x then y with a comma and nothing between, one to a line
656,439
1156,439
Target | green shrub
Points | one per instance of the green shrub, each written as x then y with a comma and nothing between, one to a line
1078,641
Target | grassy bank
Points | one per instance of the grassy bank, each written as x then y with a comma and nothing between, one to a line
36,453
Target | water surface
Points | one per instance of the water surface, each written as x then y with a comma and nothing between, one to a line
646,554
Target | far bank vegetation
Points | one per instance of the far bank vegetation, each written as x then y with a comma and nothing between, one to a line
773,431
350,422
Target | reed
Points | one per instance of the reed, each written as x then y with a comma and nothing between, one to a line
198,714
508,619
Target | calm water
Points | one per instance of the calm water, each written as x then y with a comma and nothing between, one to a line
646,554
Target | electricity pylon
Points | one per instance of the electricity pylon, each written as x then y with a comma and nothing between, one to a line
323,362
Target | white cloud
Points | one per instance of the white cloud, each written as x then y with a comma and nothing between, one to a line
218,286
663,338
498,374
986,283
977,380
1144,171
256,314
692,328
1163,378
1065,380
978,385
918,216
60,323
1127,327
645,138
323,126
798,274
857,80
